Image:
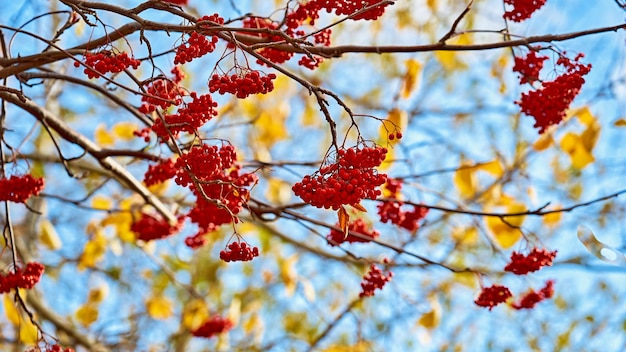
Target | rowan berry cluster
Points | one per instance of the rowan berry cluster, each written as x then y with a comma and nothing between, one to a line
213,326
530,299
25,278
523,264
19,189
548,105
149,228
160,172
223,192
58,348
239,252
188,118
374,279
242,85
359,226
177,2
347,181
274,55
197,45
391,211
492,296
522,9
163,93
529,67
106,61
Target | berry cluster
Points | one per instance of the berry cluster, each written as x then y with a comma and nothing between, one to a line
492,296
160,172
274,55
19,188
374,279
529,67
523,264
177,2
239,252
522,9
347,181
213,326
391,211
223,191
188,118
22,278
242,85
530,299
58,348
341,8
149,228
106,61
196,46
549,104
358,226
163,93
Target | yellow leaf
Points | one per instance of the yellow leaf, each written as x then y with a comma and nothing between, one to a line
93,252
269,127
465,180
344,219
431,319
159,307
288,274
195,313
13,315
449,59
278,191
389,158
467,236
573,145
308,290
589,137
101,203
309,115
125,130
97,295
493,167
48,235
87,314
29,333
411,78
552,219
103,137
544,142
505,231
585,116
620,123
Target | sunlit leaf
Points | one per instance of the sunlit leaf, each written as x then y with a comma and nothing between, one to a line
344,219
93,251
125,130
574,146
29,333
467,236
411,78
103,137
98,294
11,312
620,122
465,180
599,249
278,191
493,167
48,235
87,314
288,274
195,313
101,202
505,230
543,142
159,307
431,319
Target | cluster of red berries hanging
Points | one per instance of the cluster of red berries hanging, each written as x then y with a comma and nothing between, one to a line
188,118
347,181
198,45
25,278
58,348
359,226
548,104
149,228
214,326
522,9
163,93
106,61
520,265
395,211
243,84
374,279
19,189
239,252
160,172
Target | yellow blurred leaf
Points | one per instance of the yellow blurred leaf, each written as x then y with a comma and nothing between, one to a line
505,231
288,274
101,203
493,167
278,191
98,294
574,146
308,290
465,180
361,346
195,313
389,158
552,219
431,319
467,236
12,314
620,123
87,314
585,116
102,136
125,130
411,78
449,59
309,115
544,142
48,235
159,307
94,251
29,334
